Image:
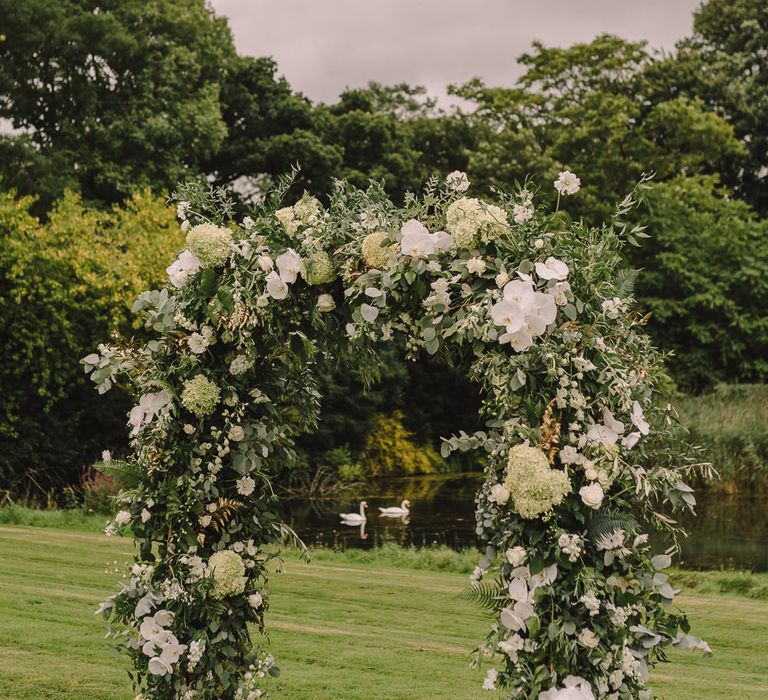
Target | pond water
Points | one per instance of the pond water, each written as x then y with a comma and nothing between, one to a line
730,532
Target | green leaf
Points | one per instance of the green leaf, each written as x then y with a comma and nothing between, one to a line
208,282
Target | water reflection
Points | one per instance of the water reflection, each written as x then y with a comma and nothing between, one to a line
731,531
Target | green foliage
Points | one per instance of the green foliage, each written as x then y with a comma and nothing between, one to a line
129,93
64,285
706,283
730,424
390,449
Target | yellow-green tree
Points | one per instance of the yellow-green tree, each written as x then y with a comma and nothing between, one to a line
64,286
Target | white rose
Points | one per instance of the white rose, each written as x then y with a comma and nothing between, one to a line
476,266
205,520
588,639
245,485
592,495
516,555
197,343
145,515
123,517
255,600
501,279
180,270
106,456
236,433
325,303
189,429
499,494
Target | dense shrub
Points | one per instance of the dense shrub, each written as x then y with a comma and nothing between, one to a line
64,286
390,449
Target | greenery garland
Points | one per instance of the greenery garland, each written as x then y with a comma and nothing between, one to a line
535,306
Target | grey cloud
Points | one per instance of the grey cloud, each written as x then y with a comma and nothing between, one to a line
323,47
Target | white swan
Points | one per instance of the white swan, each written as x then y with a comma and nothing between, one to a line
354,518
395,512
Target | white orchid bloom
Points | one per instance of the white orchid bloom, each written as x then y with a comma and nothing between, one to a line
416,242
289,265
552,269
158,667
276,286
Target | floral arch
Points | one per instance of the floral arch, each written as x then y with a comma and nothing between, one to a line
539,307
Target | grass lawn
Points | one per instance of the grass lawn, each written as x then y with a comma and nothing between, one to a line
342,630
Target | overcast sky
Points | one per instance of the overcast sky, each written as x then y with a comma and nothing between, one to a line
323,46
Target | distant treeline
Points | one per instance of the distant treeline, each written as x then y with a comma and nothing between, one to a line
112,108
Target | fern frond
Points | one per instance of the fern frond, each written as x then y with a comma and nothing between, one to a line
485,594
604,524
625,282
127,474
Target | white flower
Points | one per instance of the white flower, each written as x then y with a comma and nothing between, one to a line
325,303
248,223
638,419
266,263
567,183
106,456
592,495
145,515
612,307
560,293
150,629
205,520
516,555
236,433
476,266
197,343
416,241
570,545
164,618
588,638
591,603
158,667
289,265
524,312
522,213
608,432
181,209
245,485
182,268
276,286
574,688
499,494
240,365
457,181
490,679
552,269
443,241
512,645
255,600
501,279
123,517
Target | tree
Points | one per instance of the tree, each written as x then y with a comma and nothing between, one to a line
591,108
124,91
705,283
725,65
64,286
270,128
